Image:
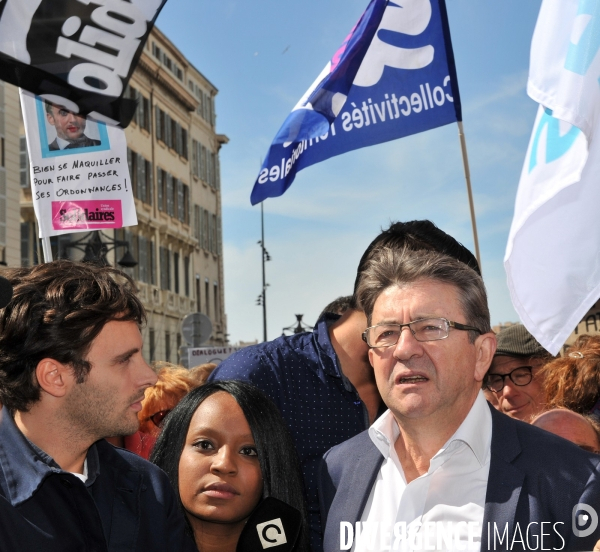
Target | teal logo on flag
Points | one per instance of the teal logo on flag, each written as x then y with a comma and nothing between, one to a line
556,145
581,55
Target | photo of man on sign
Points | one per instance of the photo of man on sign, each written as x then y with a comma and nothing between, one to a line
69,129
64,131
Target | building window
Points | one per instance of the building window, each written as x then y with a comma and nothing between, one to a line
183,198
143,112
213,245
160,124
176,271
170,196
160,188
205,230
210,158
25,244
152,262
142,257
141,117
184,143
203,163
141,179
198,297
216,297
198,223
167,346
151,343
140,171
165,268
207,298
23,162
186,275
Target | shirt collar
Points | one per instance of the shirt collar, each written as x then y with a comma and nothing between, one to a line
25,466
327,355
62,144
475,431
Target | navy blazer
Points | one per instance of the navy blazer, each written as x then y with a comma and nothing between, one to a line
534,477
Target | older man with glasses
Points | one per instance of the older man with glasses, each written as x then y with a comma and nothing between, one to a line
441,469
512,383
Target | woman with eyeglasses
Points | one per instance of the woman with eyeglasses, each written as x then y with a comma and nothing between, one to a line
226,450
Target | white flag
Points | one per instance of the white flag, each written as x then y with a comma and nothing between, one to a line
552,258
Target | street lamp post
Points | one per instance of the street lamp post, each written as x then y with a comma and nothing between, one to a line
95,249
298,327
262,298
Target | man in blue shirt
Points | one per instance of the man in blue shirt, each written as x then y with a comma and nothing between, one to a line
72,373
322,381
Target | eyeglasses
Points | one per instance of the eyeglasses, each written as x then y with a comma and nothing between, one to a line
519,376
425,329
159,417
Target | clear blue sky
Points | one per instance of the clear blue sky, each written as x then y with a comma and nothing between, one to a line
262,56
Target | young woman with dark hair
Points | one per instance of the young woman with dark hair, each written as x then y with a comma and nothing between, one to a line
226,448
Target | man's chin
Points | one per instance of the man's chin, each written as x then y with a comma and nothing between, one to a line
124,427
411,407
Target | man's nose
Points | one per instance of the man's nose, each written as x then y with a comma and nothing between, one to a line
509,390
147,376
407,345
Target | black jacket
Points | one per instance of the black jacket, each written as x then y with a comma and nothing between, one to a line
126,505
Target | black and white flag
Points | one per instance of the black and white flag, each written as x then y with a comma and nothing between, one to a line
83,51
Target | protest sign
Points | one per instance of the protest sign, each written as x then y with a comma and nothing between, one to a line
79,173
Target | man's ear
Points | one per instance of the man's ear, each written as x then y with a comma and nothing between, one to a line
54,377
50,118
485,347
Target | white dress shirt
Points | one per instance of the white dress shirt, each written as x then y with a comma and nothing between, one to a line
451,494
62,144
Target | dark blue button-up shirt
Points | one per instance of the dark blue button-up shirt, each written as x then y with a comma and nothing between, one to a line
302,375
126,504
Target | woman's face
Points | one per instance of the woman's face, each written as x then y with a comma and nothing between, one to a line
219,475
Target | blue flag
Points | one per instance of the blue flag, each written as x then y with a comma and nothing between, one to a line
394,76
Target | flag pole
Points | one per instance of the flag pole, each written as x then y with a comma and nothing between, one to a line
463,147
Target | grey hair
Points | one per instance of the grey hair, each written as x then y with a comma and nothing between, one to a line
398,267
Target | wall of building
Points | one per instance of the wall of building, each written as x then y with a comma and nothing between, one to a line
9,176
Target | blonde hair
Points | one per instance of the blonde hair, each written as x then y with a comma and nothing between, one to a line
174,383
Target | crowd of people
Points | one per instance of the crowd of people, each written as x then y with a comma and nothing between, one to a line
401,422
